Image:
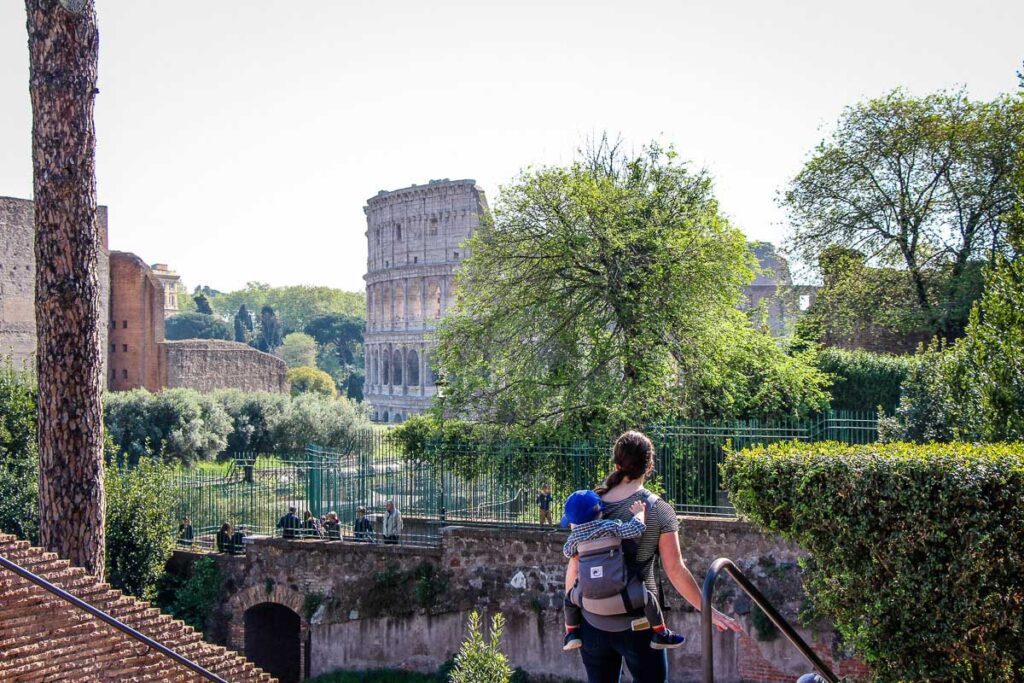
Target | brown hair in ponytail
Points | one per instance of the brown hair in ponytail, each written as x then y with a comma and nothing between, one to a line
634,455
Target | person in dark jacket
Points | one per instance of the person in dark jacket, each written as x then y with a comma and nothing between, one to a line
311,526
289,524
185,533
363,527
224,538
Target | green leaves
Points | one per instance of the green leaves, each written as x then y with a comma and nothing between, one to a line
596,295
479,661
916,550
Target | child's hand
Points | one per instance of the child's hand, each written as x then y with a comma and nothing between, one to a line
638,508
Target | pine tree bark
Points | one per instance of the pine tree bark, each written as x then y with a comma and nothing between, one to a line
63,56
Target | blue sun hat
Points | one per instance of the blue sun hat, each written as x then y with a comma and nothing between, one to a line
582,507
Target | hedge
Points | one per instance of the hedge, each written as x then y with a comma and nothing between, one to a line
917,552
862,380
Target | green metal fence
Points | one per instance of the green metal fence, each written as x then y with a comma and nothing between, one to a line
493,483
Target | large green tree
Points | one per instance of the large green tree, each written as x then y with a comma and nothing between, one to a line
600,294
921,184
298,350
196,326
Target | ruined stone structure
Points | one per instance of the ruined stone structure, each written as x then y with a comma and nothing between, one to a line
136,324
209,364
18,279
170,281
773,289
343,605
415,242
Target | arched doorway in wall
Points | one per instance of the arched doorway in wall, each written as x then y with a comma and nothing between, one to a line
273,640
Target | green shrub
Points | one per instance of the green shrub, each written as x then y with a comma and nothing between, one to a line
862,380
479,661
192,598
974,389
311,380
255,417
139,526
19,464
177,425
917,551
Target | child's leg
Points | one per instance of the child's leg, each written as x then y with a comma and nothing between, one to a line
573,614
653,612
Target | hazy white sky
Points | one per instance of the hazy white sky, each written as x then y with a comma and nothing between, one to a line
239,140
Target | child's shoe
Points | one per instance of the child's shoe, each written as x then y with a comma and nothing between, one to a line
666,640
572,640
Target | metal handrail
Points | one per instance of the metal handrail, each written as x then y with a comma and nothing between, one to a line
706,609
109,620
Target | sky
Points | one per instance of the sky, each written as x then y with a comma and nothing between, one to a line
239,141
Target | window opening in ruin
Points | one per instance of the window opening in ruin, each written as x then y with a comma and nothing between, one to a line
433,226
124,324
124,348
415,259
456,254
272,640
113,348
124,374
113,373
398,232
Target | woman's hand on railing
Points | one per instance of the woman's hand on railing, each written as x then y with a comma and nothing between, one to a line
725,623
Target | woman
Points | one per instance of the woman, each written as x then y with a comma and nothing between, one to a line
332,526
311,525
607,641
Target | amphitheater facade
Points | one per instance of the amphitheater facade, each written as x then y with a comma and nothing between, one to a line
415,239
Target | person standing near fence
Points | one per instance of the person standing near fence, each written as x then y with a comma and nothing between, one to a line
544,504
392,523
289,524
363,527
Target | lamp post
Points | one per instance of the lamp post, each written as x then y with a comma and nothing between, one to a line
440,387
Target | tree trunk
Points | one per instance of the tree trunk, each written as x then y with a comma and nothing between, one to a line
63,54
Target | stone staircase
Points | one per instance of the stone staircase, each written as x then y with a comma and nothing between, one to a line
44,638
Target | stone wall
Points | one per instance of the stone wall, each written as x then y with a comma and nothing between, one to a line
18,280
415,239
136,324
207,364
357,600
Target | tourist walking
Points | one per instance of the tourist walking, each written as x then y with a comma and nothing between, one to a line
289,524
607,641
544,504
363,527
392,523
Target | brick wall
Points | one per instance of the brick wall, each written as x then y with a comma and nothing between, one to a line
136,324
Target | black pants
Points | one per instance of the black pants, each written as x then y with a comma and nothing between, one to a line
604,652
652,610
391,539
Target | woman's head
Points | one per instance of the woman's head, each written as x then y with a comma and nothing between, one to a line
225,527
633,458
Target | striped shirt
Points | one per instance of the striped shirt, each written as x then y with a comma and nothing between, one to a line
661,519
602,528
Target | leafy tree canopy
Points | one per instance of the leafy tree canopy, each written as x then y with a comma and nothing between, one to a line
921,184
296,305
599,294
196,326
307,379
298,350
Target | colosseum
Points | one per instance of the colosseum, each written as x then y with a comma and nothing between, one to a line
415,242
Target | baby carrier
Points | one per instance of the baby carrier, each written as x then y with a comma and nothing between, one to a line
611,582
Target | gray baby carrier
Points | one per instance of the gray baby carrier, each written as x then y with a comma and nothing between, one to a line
606,584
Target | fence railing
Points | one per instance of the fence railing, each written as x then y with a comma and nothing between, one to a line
490,483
